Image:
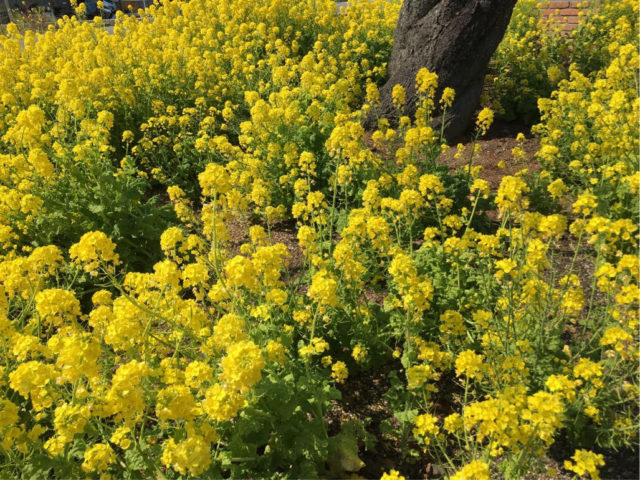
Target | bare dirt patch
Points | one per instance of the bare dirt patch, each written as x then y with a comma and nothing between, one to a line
495,155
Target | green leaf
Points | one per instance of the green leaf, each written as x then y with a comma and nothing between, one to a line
96,208
38,467
77,450
343,453
407,416
386,427
135,459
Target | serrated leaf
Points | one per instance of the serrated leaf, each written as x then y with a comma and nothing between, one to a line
96,208
386,427
135,459
38,467
407,416
224,457
77,449
343,453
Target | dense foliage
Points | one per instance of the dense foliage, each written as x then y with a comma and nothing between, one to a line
537,52
159,321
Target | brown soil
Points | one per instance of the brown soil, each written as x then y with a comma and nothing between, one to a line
495,148
363,400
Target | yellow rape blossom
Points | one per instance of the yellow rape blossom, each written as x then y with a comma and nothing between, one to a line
476,470
190,456
242,367
97,458
585,462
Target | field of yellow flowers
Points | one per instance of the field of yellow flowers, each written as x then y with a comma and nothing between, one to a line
202,251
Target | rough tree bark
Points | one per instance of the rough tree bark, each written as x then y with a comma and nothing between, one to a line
453,38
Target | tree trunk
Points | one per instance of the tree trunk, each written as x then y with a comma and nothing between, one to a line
453,38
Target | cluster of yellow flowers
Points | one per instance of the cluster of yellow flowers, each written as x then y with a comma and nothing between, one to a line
164,360
604,111
538,52
223,357
161,96
164,94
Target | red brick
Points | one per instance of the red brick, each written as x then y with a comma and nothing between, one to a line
563,13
